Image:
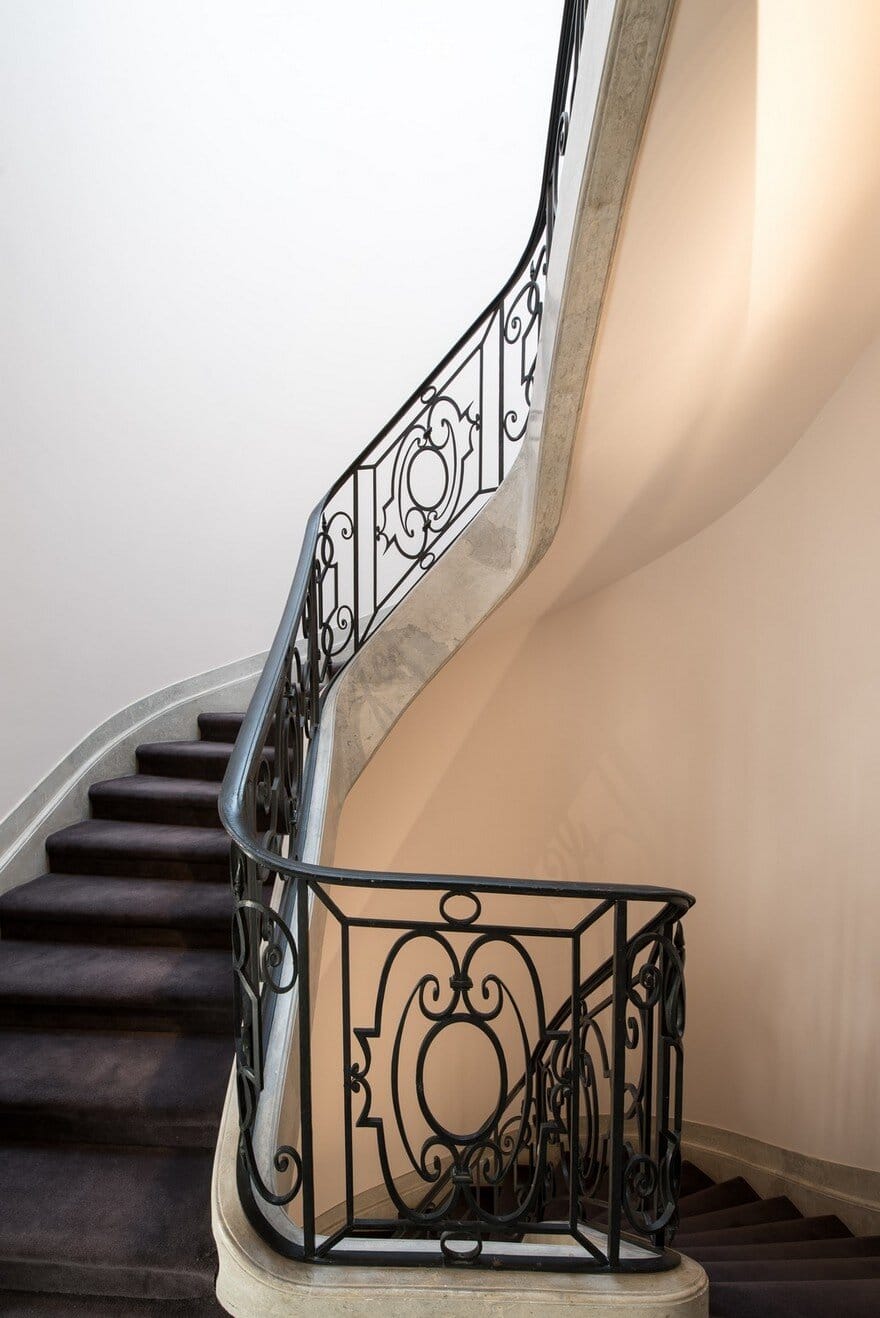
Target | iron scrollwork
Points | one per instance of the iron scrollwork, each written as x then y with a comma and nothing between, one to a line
480,1156
652,1169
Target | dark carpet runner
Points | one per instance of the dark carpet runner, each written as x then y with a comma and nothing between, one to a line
116,1047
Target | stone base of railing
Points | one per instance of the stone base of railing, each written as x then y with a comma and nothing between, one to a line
256,1282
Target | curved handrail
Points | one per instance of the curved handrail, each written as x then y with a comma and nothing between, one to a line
366,544
247,744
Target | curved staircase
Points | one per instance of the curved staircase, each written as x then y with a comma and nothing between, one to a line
115,1012
119,998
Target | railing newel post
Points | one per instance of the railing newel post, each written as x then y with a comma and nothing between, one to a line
305,1067
619,989
574,1150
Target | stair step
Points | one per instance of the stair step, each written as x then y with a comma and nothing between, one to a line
726,1194
108,1088
760,1211
63,985
205,760
106,1221
841,1247
805,1269
222,727
800,1228
693,1178
103,910
796,1299
151,799
30,1304
108,846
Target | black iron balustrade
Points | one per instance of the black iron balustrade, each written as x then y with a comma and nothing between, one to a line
576,1132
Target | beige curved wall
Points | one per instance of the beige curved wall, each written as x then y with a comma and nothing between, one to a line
687,690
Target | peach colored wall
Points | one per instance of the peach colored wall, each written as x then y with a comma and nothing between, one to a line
687,690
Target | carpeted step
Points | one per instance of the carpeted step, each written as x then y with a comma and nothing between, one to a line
223,727
110,1088
806,1269
151,799
160,851
64,985
103,1221
798,1228
726,1194
205,760
693,1179
841,1247
759,1212
796,1299
98,909
28,1304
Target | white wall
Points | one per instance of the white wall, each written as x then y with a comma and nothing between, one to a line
234,236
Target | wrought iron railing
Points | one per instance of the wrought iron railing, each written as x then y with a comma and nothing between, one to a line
575,1131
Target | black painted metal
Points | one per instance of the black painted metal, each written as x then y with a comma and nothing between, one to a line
576,1131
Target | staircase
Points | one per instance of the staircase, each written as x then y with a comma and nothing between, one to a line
115,1010
765,1259
118,992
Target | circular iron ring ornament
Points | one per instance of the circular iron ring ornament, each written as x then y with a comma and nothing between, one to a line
460,921
472,1251
455,1137
427,492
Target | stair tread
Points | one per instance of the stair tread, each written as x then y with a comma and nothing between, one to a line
103,1220
189,759
834,1247
763,1211
726,1194
693,1178
796,1299
796,1228
37,1304
802,1269
64,973
214,726
91,897
151,841
155,786
158,798
87,1079
187,748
